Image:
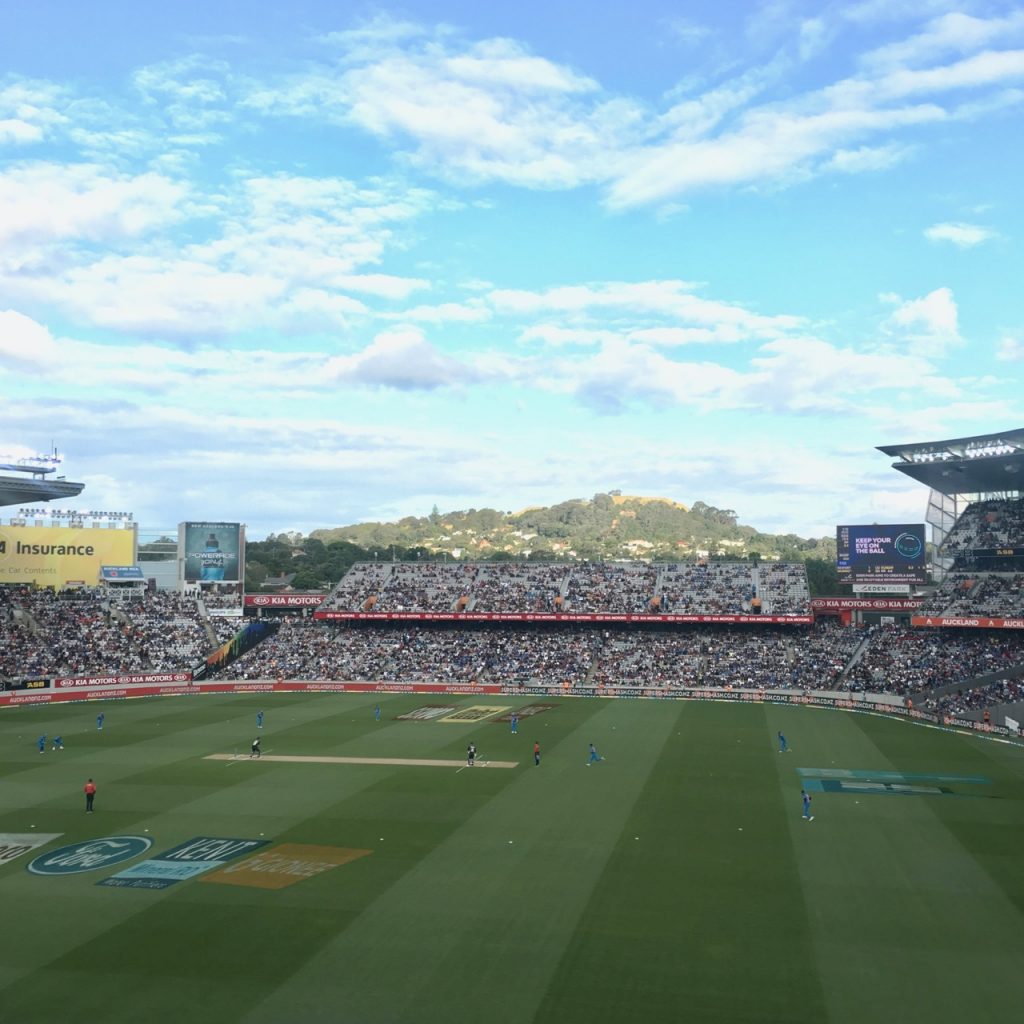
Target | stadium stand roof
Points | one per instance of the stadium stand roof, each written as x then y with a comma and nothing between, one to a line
984,464
24,483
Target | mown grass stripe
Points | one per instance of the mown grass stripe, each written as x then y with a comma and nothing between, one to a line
701,918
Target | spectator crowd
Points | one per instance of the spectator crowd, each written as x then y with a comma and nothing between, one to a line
97,632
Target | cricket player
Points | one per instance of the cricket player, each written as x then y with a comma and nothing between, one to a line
376,712
806,797
515,723
259,719
254,751
99,720
471,755
58,743
536,752
594,755
783,745
41,743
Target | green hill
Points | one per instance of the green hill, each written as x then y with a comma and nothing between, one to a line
606,526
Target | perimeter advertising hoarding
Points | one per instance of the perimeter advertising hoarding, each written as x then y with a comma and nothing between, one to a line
54,556
777,620
211,552
881,553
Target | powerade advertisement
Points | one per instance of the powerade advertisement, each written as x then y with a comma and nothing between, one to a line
211,552
886,553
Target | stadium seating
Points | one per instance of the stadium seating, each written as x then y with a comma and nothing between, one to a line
93,632
586,588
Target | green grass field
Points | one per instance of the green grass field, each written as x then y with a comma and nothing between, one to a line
675,881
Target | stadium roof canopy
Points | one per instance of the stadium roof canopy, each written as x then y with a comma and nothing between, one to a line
26,485
986,464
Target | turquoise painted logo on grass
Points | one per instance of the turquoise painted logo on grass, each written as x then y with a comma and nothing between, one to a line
880,775
90,855
868,782
181,862
866,788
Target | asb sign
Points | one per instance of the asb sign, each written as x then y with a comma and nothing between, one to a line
53,556
90,855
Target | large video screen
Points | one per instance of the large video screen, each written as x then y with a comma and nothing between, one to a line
211,552
886,553
56,556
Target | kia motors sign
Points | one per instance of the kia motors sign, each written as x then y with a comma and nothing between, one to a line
867,604
284,600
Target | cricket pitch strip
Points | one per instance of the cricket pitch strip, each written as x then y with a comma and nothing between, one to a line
412,762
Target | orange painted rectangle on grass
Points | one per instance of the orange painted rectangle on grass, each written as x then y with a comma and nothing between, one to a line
284,865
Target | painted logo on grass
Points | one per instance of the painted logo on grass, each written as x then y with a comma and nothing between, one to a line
89,855
474,713
884,782
285,865
14,844
181,862
527,711
425,714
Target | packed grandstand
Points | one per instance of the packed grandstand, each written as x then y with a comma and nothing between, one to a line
663,627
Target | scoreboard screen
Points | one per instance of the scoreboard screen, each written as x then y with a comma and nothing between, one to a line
887,553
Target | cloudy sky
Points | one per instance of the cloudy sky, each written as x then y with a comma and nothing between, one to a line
314,263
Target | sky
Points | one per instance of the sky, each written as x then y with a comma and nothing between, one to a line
312,264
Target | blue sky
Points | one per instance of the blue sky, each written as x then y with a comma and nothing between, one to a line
314,264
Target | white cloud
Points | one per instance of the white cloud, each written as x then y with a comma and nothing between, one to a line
284,251
952,33
1010,349
445,312
401,359
490,110
989,68
868,158
930,322
47,201
811,375
687,31
14,130
189,92
964,236
25,343
30,110
673,300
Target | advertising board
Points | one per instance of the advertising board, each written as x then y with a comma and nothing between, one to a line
892,553
54,556
211,552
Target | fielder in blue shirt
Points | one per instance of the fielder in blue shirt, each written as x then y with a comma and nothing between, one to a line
783,745
514,720
58,743
259,719
376,712
99,720
594,755
806,797
41,742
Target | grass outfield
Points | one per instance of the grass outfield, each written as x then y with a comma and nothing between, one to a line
674,881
